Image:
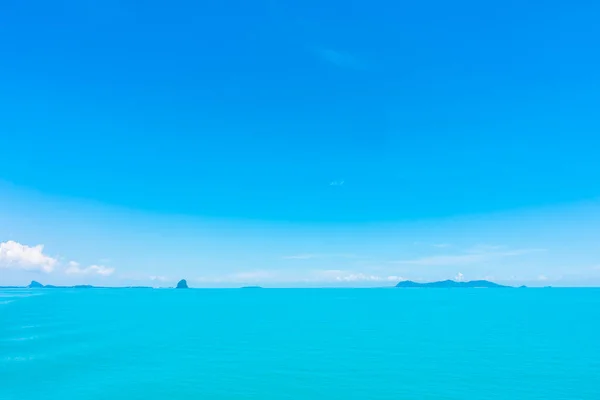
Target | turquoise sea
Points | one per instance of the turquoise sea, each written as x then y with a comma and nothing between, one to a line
300,344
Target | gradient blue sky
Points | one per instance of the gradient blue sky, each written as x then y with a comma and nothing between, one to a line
299,143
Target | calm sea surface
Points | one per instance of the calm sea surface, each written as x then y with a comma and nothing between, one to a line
300,344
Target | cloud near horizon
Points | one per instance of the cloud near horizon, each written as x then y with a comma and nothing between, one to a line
28,258
101,270
336,275
32,258
325,277
369,278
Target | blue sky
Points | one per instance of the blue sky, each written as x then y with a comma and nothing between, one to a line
299,143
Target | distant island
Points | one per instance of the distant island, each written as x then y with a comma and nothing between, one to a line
182,284
450,284
37,285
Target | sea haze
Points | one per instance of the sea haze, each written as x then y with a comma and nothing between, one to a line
299,344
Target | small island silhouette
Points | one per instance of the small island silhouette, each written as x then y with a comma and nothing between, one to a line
182,284
450,284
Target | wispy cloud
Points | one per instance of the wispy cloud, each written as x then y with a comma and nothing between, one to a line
309,256
298,278
337,183
91,270
258,276
360,277
29,258
341,59
336,275
472,256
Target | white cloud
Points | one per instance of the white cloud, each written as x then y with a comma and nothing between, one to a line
158,278
441,245
459,277
542,278
91,270
14,254
336,275
32,258
358,277
332,276
100,270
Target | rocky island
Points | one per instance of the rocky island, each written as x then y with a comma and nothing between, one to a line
182,284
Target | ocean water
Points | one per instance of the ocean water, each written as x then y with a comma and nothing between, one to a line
300,344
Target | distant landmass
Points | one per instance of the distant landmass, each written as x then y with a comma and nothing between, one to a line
450,284
182,284
37,285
